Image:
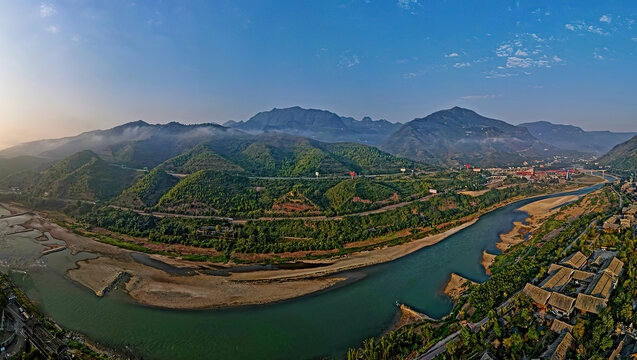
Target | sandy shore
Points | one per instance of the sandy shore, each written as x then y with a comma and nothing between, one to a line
456,286
153,286
487,261
156,287
513,237
539,210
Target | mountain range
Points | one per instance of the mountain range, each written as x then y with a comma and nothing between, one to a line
460,136
318,124
139,164
277,142
571,137
136,144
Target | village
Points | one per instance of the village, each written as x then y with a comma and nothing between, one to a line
578,299
579,288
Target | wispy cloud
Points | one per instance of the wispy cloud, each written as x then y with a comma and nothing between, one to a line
453,54
52,29
494,74
583,26
523,52
47,10
410,75
606,18
460,65
597,56
348,60
409,5
479,97
525,63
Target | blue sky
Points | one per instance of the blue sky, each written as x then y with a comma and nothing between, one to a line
75,65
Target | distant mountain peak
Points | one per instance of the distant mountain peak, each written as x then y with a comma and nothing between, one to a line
572,137
459,136
317,124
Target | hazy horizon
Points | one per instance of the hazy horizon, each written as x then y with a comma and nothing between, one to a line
77,66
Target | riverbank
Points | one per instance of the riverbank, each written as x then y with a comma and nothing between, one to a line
205,286
202,288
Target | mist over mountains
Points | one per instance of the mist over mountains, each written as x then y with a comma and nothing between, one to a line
450,137
571,137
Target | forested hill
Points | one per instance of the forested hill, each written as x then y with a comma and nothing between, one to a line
136,144
460,136
283,155
571,137
622,157
82,176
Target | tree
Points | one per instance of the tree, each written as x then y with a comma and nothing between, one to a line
465,335
532,334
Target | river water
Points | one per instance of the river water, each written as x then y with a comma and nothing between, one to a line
320,325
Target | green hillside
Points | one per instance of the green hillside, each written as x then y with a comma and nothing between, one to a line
367,159
22,163
211,191
274,154
201,157
341,197
82,176
622,157
148,190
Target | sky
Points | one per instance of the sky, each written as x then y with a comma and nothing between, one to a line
69,66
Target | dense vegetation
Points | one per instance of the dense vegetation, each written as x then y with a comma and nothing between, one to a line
392,227
148,190
82,176
201,157
622,157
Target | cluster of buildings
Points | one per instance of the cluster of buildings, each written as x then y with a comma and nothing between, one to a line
577,283
559,176
625,220
576,286
531,174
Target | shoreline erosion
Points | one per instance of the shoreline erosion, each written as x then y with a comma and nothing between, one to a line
151,286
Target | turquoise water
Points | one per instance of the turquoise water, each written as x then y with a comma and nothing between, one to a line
323,324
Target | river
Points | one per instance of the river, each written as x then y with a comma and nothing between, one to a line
319,325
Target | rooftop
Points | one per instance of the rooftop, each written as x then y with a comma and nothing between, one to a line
575,260
589,304
615,266
602,285
540,296
558,280
558,326
561,302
